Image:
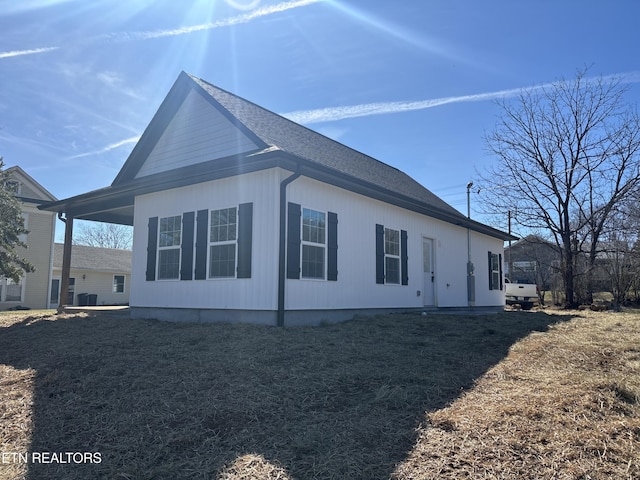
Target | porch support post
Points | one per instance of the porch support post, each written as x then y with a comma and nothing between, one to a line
66,260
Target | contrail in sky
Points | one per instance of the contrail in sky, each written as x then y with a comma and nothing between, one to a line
17,53
331,114
108,148
352,111
128,36
244,18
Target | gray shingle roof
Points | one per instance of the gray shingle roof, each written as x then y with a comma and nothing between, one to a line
94,258
278,139
277,131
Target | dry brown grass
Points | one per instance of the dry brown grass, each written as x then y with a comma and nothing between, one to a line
229,402
564,404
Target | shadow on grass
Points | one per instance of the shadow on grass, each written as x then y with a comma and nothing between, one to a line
163,400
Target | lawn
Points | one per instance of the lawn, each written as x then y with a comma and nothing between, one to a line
510,395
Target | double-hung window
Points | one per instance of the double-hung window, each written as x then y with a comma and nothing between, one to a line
200,245
118,284
392,255
314,233
392,262
13,187
495,271
223,235
169,247
312,244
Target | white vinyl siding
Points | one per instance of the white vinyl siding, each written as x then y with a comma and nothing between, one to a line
259,292
356,286
197,133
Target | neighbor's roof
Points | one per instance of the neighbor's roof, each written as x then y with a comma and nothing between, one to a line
281,142
31,191
94,258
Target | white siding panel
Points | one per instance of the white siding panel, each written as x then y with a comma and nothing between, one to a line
197,133
256,293
356,286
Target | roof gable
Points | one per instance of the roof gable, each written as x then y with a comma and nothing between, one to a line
279,132
28,188
245,137
189,128
199,122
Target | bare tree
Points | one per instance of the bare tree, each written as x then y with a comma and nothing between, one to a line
620,257
105,235
568,154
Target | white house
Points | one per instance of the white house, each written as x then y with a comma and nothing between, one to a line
33,290
242,215
97,276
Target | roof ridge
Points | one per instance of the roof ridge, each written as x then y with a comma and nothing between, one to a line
297,125
77,245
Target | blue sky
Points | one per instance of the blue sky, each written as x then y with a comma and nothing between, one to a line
410,83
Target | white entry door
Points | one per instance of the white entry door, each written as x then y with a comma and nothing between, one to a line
429,278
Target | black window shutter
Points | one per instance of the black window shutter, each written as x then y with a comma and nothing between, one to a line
500,266
490,273
404,258
293,240
186,268
332,243
152,248
245,239
379,253
202,235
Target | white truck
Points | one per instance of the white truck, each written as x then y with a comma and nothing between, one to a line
523,294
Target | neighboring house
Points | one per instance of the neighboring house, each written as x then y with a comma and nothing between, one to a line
532,259
242,215
98,276
33,289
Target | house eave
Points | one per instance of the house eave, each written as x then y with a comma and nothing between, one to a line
114,204
370,190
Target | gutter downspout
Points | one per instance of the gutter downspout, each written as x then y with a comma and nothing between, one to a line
282,266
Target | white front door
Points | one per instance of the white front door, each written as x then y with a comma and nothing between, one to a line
429,279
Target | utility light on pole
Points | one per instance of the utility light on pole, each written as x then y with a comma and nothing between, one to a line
471,280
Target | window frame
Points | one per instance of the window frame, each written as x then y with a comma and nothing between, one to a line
396,258
211,244
495,271
311,244
14,187
117,284
169,248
